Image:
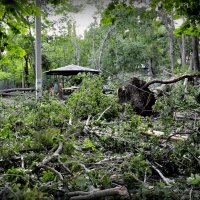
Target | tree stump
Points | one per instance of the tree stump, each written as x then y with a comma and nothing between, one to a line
141,99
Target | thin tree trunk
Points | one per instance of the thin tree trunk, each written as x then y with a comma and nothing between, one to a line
26,71
171,40
32,43
195,53
98,64
38,54
150,62
169,24
183,51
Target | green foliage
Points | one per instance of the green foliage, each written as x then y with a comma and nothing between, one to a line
138,37
177,100
91,157
138,166
99,178
81,182
114,12
47,176
90,100
89,145
194,179
187,9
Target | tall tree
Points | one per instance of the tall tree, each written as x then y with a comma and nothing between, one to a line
190,11
139,36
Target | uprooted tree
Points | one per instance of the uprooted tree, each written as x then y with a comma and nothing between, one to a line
142,99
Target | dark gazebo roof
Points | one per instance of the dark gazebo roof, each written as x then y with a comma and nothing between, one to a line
71,70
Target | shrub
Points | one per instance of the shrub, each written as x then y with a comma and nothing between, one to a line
90,100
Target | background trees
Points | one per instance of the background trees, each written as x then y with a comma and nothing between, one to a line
129,37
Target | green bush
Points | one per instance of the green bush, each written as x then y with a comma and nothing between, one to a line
90,100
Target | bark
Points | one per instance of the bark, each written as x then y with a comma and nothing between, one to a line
32,43
98,64
183,51
170,81
141,99
119,191
76,46
8,95
171,51
195,53
169,24
26,71
136,92
150,63
161,135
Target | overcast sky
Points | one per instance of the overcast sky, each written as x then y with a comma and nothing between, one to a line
84,17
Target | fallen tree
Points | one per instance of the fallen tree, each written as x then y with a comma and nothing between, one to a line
17,89
142,99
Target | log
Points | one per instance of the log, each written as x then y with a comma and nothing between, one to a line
120,191
9,95
17,89
160,134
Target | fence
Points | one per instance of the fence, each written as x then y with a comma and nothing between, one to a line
7,84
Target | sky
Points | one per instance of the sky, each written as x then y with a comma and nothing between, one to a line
83,18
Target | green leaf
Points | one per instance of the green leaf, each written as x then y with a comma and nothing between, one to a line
81,181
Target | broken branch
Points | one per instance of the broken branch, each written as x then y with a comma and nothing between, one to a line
117,191
170,81
165,180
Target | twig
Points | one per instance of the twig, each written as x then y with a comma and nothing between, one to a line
49,158
53,170
191,193
166,180
70,121
145,176
63,165
88,120
103,113
22,161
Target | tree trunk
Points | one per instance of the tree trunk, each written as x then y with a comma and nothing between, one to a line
183,51
150,63
171,43
38,54
26,71
169,25
195,53
171,52
98,64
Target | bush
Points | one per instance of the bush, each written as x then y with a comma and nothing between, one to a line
90,100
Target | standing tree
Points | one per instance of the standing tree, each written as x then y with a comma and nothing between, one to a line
190,11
